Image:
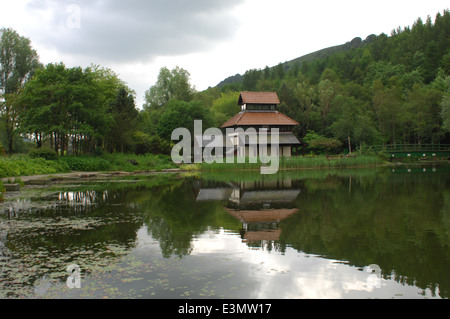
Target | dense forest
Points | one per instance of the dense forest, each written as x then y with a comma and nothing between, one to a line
381,90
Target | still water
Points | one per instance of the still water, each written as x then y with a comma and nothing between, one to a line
372,233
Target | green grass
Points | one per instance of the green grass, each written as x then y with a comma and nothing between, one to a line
336,162
298,162
24,165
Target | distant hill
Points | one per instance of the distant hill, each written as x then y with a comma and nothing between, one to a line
353,44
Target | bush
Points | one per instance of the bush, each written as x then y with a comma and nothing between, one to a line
145,144
87,164
20,165
44,153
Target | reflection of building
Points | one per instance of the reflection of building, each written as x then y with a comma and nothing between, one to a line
260,206
261,225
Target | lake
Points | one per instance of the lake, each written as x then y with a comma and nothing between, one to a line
335,234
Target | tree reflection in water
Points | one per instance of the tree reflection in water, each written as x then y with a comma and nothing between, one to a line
398,220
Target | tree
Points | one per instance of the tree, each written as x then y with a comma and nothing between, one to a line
125,115
344,125
326,94
391,112
308,114
319,143
227,104
445,104
69,106
225,107
181,114
171,84
18,62
423,107
250,79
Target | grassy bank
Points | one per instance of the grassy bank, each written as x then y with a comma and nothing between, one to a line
24,165
298,162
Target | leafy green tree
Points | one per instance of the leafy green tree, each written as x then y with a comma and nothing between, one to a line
346,119
144,143
69,106
181,114
351,125
326,94
225,107
125,116
18,62
423,107
171,84
227,104
320,143
445,105
308,115
250,80
391,113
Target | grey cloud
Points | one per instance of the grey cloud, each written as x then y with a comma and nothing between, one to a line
133,30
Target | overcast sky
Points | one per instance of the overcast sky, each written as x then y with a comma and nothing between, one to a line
212,39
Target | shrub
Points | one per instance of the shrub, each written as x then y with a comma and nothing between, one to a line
87,164
44,153
145,144
20,165
2,191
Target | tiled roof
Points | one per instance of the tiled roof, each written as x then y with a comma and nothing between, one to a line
258,98
260,118
264,216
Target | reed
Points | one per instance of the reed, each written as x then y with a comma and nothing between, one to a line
299,162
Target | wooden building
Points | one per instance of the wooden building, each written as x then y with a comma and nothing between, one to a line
259,111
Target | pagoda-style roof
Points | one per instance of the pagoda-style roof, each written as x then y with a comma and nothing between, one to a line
262,216
260,119
259,98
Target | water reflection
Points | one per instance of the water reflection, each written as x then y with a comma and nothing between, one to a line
259,205
41,236
295,235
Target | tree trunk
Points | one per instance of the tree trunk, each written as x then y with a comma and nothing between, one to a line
349,145
10,145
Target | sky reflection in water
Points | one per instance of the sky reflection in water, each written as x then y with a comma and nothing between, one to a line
221,236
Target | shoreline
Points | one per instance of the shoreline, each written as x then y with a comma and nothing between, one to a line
83,175
80,175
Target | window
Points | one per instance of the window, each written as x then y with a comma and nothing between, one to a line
264,107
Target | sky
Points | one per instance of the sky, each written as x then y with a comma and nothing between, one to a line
211,39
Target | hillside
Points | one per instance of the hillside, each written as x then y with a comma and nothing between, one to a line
382,90
321,54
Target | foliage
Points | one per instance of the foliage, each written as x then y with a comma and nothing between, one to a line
87,164
20,165
72,105
144,144
18,62
445,104
225,107
124,114
24,165
44,153
2,191
321,143
171,84
180,114
381,90
299,162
